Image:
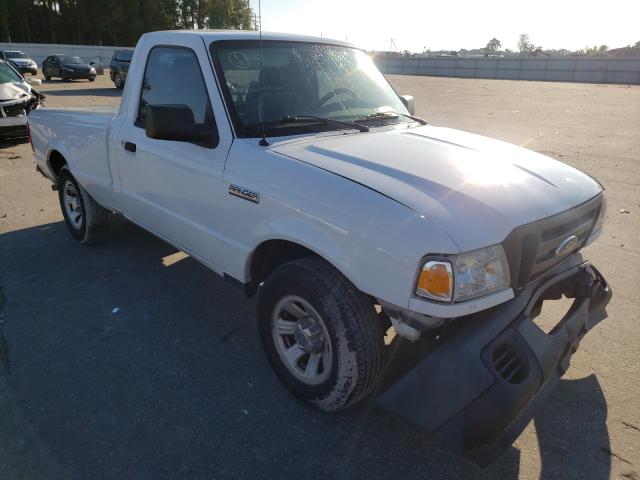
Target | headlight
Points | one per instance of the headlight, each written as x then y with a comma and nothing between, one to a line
465,276
92,70
436,281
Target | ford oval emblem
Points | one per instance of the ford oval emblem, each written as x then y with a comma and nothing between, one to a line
568,245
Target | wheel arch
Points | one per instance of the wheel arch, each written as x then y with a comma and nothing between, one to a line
277,250
56,161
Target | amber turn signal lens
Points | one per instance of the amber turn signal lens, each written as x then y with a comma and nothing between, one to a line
436,281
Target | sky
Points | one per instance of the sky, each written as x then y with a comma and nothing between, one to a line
416,25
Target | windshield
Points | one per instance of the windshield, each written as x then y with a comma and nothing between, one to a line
68,59
8,74
15,55
298,79
124,56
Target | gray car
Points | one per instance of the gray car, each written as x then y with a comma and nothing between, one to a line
20,60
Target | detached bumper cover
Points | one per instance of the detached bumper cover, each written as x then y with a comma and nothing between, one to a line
478,390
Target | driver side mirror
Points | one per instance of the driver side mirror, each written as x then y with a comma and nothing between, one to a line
176,122
409,103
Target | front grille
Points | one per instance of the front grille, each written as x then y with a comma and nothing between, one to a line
551,239
531,248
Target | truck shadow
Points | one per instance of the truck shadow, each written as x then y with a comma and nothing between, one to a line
130,360
12,142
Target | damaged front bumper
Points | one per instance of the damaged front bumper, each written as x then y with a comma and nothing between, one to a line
479,389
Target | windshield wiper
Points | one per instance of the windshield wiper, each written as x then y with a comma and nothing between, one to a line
325,121
392,113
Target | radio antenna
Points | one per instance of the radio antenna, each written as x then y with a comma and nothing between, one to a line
263,141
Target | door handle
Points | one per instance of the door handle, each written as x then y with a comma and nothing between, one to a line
130,147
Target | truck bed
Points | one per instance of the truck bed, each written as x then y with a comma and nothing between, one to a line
80,135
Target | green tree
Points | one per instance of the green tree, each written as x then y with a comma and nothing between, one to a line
492,46
114,22
596,51
524,44
232,14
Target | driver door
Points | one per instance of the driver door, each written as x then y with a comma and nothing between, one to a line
174,188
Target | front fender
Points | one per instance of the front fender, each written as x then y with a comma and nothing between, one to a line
307,235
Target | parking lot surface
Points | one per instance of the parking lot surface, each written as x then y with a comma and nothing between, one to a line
131,360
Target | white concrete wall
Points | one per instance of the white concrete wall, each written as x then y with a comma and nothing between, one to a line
40,51
565,69
568,69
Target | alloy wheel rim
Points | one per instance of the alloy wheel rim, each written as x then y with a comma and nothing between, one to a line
302,340
72,204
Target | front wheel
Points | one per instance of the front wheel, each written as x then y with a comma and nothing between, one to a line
93,79
321,335
85,219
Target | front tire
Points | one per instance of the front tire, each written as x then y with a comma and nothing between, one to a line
321,334
85,219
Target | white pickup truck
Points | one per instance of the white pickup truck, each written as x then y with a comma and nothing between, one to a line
289,165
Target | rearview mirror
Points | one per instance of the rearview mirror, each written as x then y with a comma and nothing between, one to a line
176,122
409,103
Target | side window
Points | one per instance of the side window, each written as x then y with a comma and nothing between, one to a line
173,77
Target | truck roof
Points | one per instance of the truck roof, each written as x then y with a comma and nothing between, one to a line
213,35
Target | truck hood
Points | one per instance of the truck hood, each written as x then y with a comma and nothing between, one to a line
475,188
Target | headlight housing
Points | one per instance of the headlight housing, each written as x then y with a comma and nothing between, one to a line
465,276
92,70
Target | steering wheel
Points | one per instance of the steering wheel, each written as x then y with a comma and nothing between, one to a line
338,91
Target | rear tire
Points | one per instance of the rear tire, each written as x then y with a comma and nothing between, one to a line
308,305
117,81
86,220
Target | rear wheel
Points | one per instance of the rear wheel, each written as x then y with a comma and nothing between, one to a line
321,335
117,81
85,219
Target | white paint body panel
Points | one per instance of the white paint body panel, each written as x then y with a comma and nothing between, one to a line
372,204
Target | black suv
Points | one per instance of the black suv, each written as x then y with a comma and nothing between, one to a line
119,66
